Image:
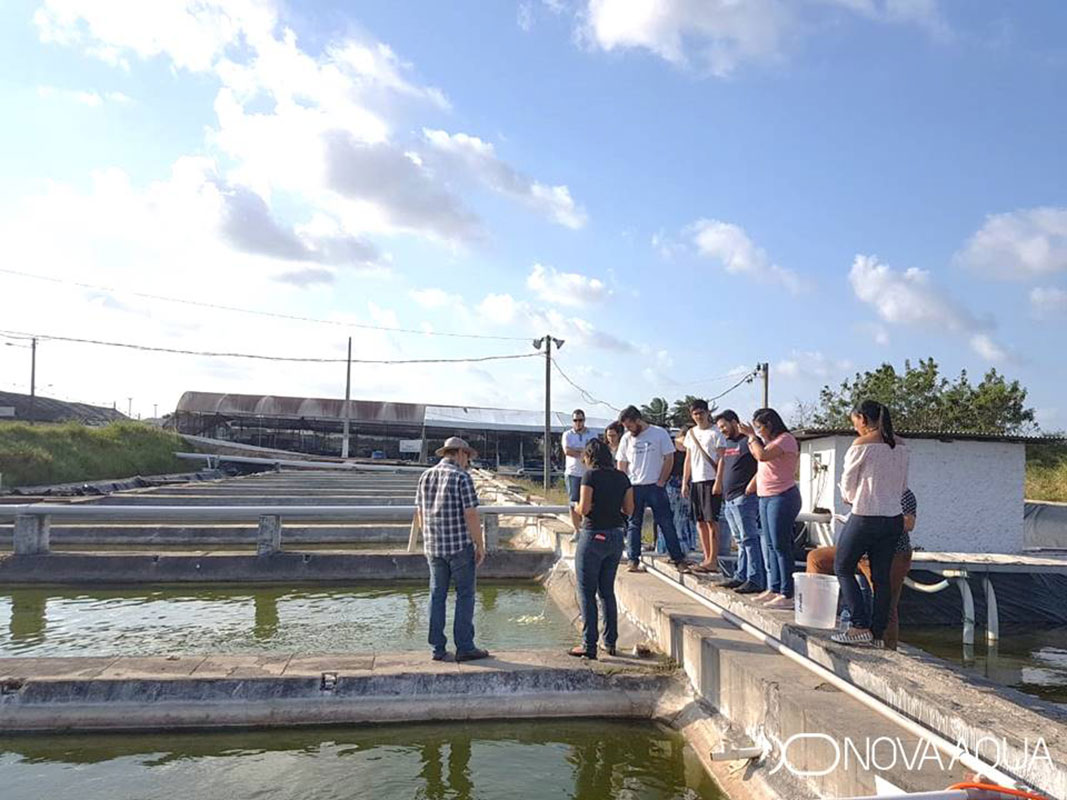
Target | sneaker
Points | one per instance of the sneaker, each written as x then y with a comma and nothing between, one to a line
733,584
611,649
780,603
682,566
853,636
635,566
748,588
441,655
764,596
472,655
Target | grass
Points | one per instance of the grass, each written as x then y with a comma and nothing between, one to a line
68,452
1046,472
556,495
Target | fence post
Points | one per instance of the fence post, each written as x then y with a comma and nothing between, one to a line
32,535
491,526
269,539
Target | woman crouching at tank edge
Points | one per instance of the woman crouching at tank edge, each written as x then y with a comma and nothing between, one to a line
606,499
874,477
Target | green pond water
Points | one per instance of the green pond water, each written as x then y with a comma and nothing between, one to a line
585,759
364,618
1030,658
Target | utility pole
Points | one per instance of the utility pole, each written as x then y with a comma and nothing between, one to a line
33,380
129,407
155,410
348,395
547,340
764,370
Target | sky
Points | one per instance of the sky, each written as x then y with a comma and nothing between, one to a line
678,190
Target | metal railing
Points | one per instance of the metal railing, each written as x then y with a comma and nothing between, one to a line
33,520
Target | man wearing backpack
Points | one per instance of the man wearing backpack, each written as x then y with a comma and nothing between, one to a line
703,445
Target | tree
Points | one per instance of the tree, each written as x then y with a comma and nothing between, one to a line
656,412
921,399
679,416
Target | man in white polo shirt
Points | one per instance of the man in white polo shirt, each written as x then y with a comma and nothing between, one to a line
646,455
573,443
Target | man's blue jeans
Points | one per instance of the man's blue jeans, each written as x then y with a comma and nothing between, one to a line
742,513
652,496
778,514
457,568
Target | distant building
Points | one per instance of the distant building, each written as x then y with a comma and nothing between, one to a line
969,486
20,407
412,431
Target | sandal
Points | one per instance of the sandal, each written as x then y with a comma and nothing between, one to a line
580,652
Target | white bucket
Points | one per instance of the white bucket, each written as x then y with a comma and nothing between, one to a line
815,600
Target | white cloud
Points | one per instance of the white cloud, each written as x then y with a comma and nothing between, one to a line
92,99
731,246
719,35
811,364
499,308
478,158
1029,243
565,288
909,298
503,309
1047,301
435,298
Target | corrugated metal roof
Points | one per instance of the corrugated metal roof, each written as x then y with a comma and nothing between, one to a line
251,405
947,435
48,409
473,418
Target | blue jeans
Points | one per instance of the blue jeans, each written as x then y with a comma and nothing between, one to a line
742,513
655,497
684,525
457,568
596,561
875,537
778,515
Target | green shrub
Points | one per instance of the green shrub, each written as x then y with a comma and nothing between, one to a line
69,452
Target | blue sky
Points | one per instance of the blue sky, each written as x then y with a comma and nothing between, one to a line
677,189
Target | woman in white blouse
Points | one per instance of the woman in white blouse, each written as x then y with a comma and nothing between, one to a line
874,478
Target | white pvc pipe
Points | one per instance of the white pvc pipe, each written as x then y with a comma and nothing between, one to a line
873,703
362,513
347,466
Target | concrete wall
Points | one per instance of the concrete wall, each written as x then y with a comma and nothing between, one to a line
970,494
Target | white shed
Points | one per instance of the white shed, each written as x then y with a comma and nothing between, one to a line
969,487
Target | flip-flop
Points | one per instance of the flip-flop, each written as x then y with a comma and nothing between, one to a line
702,569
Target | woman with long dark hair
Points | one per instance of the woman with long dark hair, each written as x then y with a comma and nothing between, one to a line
606,499
874,478
776,452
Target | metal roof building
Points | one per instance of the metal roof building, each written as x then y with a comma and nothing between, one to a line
397,430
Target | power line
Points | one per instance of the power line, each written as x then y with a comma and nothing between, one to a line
585,395
747,379
272,314
209,354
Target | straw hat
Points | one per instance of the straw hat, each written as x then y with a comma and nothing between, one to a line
455,443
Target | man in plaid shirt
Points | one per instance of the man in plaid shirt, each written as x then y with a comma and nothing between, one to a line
446,508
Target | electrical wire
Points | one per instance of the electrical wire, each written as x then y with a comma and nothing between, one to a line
585,395
747,379
272,314
260,357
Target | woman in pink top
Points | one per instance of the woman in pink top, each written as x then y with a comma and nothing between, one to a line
776,452
875,476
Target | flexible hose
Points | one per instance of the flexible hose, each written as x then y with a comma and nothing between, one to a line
990,787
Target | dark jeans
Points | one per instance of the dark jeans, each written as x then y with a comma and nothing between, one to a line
457,568
876,538
778,515
654,497
743,515
596,561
